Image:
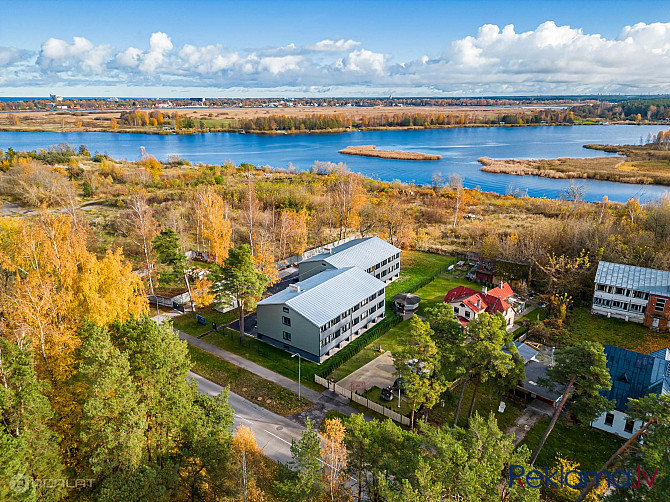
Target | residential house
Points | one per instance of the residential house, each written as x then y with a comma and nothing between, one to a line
468,303
633,375
318,315
372,254
531,388
632,293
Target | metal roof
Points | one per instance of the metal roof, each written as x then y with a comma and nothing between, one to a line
536,371
634,375
526,351
630,277
327,294
363,253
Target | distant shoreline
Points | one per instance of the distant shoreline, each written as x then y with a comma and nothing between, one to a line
371,151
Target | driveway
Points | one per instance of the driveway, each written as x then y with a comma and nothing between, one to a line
377,373
250,324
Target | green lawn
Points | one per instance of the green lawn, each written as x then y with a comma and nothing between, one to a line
627,335
488,400
388,341
430,294
538,314
415,266
188,324
246,384
579,443
266,355
375,394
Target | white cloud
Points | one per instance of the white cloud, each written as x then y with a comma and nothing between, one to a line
11,55
494,60
59,55
281,64
364,61
330,45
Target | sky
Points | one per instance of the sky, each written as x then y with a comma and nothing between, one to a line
255,48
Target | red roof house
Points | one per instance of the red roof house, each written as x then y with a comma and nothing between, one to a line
468,303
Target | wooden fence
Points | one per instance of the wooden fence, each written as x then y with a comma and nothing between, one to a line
382,410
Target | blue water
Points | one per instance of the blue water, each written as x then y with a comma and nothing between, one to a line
460,148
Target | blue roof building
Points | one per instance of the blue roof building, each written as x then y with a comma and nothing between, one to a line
633,376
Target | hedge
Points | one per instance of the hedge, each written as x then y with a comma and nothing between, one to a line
353,348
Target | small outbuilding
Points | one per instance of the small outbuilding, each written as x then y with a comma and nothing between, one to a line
406,304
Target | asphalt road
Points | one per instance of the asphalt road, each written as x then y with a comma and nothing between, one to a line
273,432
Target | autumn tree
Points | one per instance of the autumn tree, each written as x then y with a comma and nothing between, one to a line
141,228
349,196
213,226
582,369
239,279
248,461
334,456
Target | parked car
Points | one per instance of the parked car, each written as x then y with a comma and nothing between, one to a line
387,393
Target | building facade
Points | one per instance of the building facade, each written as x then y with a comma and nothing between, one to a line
318,315
468,303
372,254
632,293
633,376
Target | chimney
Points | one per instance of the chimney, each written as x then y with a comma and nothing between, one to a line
479,303
501,284
294,287
485,290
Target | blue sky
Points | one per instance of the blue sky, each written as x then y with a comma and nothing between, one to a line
224,48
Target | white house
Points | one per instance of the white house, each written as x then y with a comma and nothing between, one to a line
468,303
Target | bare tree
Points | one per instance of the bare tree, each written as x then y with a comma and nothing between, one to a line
456,186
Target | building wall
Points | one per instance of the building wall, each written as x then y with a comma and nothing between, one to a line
618,425
309,269
304,334
662,315
306,337
621,303
387,269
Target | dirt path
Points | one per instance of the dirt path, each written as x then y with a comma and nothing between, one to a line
524,422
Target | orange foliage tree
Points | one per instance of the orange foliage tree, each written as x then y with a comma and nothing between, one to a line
213,228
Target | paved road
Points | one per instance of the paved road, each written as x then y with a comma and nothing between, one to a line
377,373
273,432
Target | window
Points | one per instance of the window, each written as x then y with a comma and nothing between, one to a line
619,291
286,336
609,419
641,294
286,321
355,321
635,307
355,308
380,293
372,297
629,426
377,266
285,309
467,314
660,305
456,310
380,304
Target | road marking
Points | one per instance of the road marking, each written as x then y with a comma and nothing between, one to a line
242,418
281,439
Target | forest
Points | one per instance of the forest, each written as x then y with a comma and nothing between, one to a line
92,389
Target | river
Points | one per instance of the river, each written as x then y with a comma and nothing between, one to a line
459,147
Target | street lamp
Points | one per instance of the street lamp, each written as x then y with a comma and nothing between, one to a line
297,354
398,395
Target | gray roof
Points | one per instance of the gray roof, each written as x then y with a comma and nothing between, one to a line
536,371
326,295
363,253
630,277
526,351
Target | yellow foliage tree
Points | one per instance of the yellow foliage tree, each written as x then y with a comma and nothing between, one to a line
113,123
349,196
248,458
212,224
567,494
154,167
334,456
201,292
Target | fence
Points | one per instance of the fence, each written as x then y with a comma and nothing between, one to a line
376,407
353,348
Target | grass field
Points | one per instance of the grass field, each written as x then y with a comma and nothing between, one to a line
188,324
579,443
415,266
246,384
488,400
267,356
627,335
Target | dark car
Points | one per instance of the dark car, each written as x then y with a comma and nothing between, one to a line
387,393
